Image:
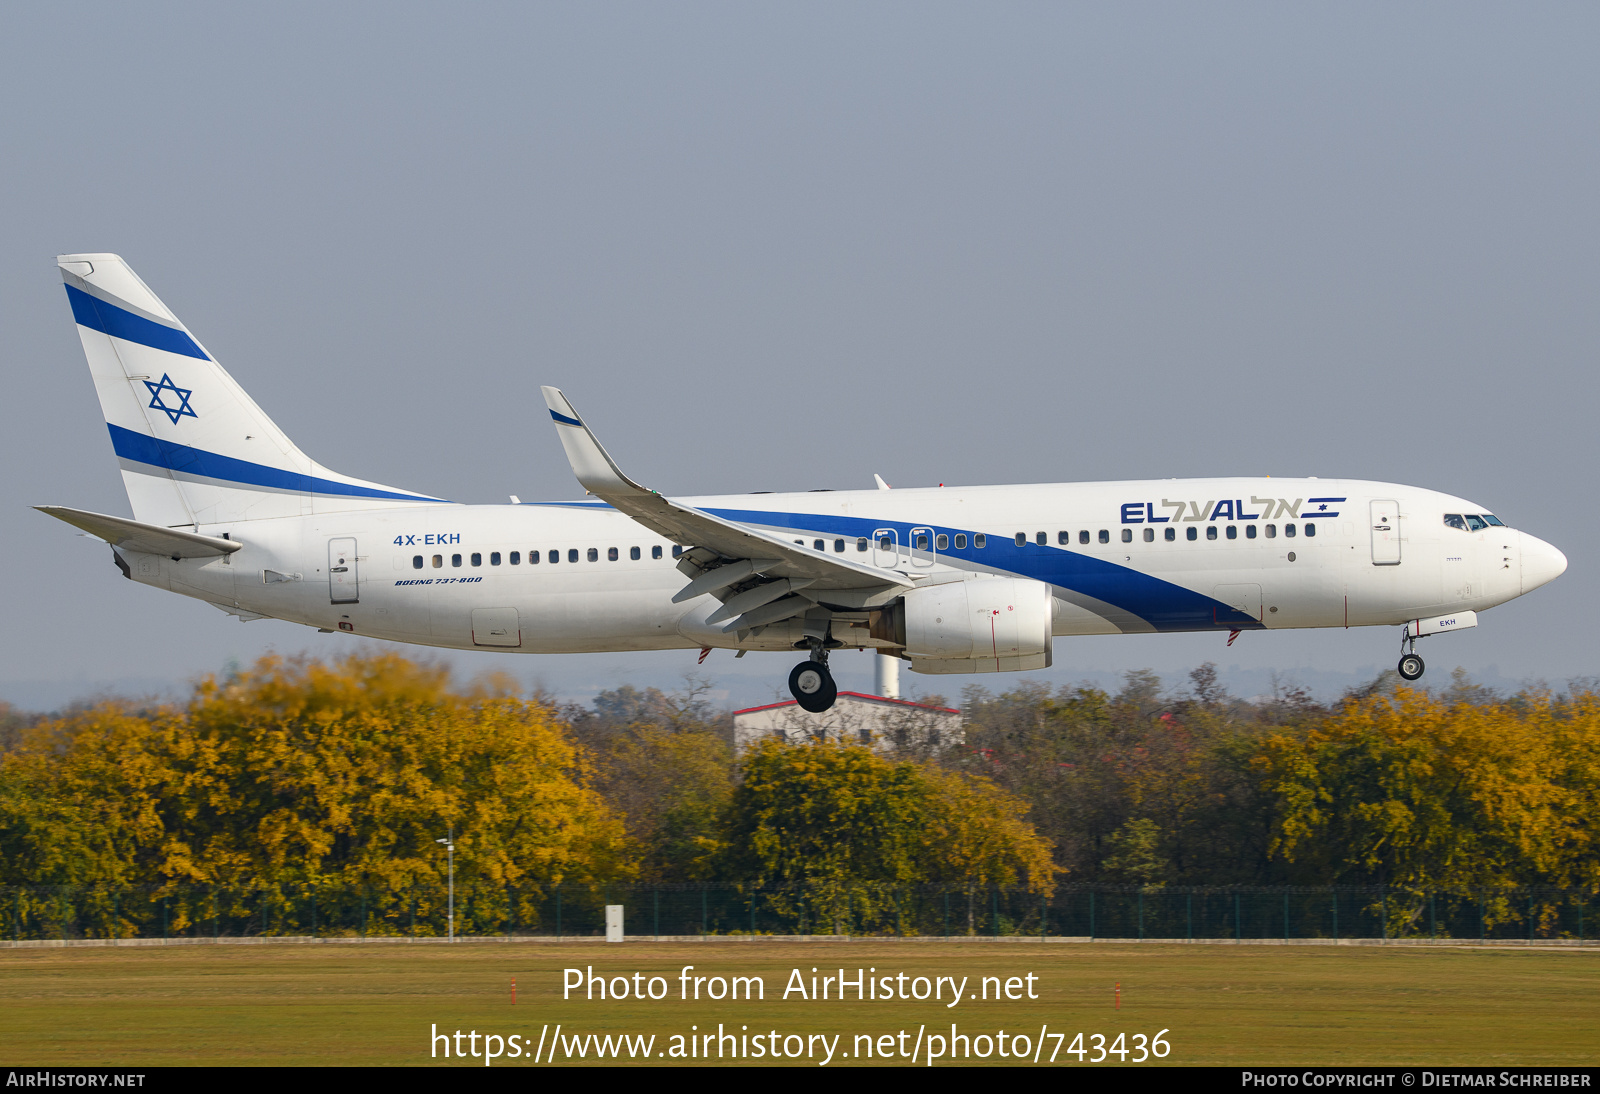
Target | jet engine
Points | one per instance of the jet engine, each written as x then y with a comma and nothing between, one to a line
989,624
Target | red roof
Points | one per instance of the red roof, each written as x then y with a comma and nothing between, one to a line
853,695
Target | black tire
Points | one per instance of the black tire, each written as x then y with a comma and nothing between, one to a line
812,686
1411,667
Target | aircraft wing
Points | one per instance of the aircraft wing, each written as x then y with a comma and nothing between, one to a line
750,551
150,539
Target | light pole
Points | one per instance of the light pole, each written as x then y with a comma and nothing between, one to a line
450,847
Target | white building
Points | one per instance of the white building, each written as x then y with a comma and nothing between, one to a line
888,724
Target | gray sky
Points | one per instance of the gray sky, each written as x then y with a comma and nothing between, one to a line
767,247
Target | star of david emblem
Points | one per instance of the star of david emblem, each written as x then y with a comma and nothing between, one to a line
1320,508
157,402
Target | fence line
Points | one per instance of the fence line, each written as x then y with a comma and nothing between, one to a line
835,908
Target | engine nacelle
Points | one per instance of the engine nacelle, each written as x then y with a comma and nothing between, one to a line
991,624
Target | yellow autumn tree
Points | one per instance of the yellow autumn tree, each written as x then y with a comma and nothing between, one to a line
1417,793
976,835
840,831
303,777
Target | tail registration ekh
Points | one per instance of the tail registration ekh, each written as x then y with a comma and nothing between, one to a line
227,509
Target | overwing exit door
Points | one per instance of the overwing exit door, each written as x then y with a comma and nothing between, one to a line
1386,533
885,548
344,578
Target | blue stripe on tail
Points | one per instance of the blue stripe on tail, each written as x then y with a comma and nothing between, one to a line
110,319
185,460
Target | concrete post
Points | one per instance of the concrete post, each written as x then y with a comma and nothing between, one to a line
886,675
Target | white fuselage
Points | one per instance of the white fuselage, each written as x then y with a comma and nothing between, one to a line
461,576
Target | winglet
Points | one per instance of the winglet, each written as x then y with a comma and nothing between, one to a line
879,480
596,470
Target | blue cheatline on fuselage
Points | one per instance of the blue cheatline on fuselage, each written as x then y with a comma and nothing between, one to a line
197,462
1162,604
1165,606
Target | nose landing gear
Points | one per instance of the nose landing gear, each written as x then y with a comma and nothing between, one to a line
1411,666
811,683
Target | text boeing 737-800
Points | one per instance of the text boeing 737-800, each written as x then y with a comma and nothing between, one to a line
228,510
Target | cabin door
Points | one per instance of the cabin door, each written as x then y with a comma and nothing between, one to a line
344,578
1386,533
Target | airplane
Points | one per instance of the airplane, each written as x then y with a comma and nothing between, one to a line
948,579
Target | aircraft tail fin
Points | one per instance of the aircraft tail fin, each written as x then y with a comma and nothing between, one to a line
194,448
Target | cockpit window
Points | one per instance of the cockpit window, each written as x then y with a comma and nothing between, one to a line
1455,520
1476,523
1490,518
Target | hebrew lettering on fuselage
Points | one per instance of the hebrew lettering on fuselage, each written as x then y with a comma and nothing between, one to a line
1144,512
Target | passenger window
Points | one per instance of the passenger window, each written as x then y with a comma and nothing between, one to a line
1022,539
1475,523
572,554
1127,535
1233,531
594,554
1311,529
1455,520
1249,531
455,560
886,543
838,546
1063,538
1288,530
516,558
494,558
1105,536
655,552
1041,538
1149,535
555,557
1169,534
611,554
416,562
477,559
979,540
633,553
819,545
1083,536
961,541
1211,531
1191,533
941,542
1272,531
677,550
861,543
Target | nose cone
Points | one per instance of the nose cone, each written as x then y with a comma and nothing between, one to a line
1541,563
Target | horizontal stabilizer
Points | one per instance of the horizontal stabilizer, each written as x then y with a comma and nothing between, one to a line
149,539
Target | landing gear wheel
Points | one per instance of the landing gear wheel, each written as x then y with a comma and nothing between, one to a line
1411,667
812,686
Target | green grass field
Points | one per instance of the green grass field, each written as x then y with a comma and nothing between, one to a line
375,1004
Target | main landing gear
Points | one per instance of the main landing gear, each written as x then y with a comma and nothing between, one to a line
812,684
1411,665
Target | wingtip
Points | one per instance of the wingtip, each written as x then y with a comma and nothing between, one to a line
561,408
